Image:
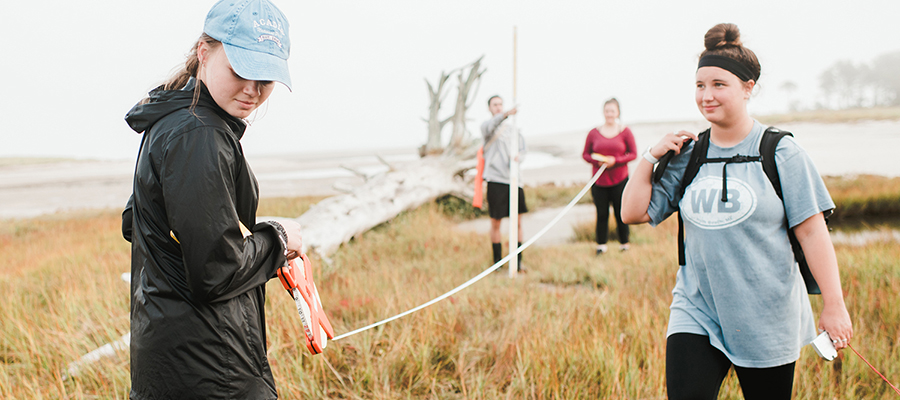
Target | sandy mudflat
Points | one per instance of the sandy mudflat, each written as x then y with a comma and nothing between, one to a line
34,189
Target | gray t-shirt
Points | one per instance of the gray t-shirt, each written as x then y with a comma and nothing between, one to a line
496,155
741,285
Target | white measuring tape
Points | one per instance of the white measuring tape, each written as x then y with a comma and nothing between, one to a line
492,268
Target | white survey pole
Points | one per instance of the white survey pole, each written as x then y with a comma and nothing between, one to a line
514,176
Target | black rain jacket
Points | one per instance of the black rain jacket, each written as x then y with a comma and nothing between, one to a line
197,283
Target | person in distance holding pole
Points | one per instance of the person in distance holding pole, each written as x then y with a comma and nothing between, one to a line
496,133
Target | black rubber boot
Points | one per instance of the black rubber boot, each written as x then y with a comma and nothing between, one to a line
498,251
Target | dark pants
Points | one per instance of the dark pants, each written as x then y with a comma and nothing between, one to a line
602,197
695,370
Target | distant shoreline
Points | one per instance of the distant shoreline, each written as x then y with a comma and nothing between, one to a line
853,115
42,185
834,116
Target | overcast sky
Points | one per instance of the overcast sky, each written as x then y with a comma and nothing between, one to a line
73,69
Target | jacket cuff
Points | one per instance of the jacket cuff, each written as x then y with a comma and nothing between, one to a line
280,252
282,235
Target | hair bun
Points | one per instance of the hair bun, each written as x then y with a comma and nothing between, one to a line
722,35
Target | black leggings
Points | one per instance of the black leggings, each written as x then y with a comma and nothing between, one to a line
695,370
602,197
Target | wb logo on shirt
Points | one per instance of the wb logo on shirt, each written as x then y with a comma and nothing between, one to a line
702,203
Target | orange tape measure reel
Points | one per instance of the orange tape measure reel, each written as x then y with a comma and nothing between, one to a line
298,281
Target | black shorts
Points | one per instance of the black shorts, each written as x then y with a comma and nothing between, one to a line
498,200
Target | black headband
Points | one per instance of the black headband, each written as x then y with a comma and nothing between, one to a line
728,64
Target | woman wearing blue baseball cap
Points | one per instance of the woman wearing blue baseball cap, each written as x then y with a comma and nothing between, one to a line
200,261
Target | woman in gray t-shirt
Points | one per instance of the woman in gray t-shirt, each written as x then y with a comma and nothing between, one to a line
739,300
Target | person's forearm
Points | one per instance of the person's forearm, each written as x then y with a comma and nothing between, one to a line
816,244
490,127
636,196
588,149
819,251
638,191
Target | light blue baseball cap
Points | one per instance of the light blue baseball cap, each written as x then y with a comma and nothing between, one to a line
255,36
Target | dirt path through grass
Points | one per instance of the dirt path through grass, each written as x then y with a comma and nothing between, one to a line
534,221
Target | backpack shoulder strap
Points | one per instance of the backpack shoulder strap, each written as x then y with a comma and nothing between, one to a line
666,158
767,146
698,157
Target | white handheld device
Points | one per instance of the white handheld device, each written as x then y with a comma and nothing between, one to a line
824,347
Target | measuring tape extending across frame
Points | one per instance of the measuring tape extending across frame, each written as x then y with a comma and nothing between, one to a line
492,268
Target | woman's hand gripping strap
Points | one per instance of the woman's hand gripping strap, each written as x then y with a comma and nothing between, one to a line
298,281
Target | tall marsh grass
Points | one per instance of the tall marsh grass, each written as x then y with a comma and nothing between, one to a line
574,326
864,196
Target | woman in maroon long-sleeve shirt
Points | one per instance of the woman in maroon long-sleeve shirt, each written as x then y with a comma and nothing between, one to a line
611,144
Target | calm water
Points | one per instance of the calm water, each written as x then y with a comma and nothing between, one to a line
862,231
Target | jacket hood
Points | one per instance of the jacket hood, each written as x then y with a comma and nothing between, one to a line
160,103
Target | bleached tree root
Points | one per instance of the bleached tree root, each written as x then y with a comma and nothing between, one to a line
105,351
336,220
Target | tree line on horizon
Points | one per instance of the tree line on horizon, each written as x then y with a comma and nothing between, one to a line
846,84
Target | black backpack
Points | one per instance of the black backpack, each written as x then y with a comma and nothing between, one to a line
767,146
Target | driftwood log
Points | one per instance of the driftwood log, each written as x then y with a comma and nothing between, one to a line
440,171
338,219
464,91
435,123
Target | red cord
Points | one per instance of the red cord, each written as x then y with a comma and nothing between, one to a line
873,368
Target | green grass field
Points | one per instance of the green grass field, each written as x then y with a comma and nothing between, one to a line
575,326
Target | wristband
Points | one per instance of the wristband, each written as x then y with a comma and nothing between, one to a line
649,157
